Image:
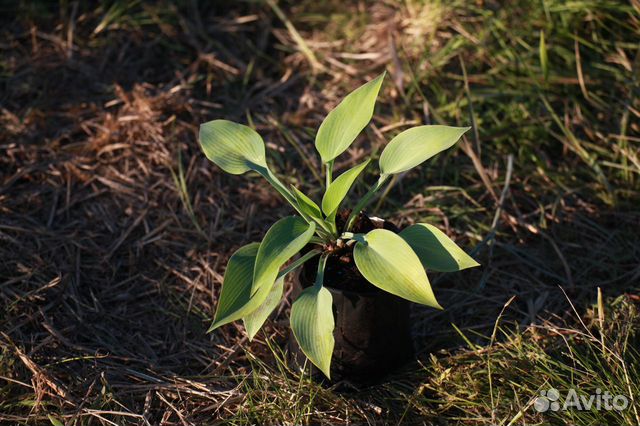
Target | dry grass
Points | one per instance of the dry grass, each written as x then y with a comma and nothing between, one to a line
114,229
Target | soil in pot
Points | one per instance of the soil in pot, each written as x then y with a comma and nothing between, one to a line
372,331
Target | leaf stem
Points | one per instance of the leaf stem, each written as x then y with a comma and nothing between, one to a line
321,266
279,186
298,262
364,201
328,173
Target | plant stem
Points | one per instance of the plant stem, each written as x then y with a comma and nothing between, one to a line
331,219
328,173
279,186
321,266
317,240
298,262
364,201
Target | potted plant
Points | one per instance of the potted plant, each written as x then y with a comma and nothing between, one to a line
371,254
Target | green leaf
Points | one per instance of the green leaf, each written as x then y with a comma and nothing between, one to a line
345,122
416,145
339,188
281,242
435,250
253,269
236,286
310,211
388,262
235,148
306,204
312,324
254,321
331,220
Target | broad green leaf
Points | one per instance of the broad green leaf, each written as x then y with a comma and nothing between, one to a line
388,262
343,124
339,188
235,148
435,250
236,286
312,324
306,204
254,321
282,241
247,286
416,145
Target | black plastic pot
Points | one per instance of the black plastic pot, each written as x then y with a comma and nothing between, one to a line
372,332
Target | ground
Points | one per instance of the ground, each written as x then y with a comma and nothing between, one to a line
115,229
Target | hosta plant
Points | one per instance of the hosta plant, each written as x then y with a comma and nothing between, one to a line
394,262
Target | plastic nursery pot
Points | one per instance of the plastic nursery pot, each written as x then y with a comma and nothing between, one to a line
372,327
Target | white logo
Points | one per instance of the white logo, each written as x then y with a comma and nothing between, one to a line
549,400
